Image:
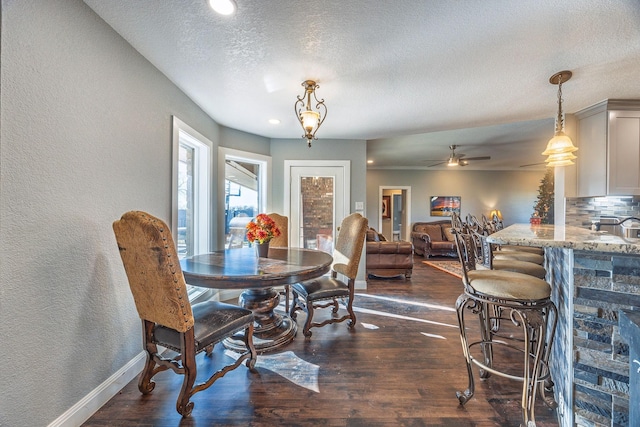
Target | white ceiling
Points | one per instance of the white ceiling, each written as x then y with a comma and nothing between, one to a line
410,76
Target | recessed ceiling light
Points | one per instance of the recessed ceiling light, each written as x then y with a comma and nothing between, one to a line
223,7
274,121
370,162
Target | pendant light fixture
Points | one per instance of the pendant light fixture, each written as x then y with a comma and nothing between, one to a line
309,119
560,148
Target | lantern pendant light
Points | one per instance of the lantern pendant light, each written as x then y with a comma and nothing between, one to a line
310,119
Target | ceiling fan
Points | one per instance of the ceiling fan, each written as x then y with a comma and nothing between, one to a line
456,159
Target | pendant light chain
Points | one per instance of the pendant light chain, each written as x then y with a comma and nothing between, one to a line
560,118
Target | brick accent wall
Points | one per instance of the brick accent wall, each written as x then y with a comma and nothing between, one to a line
317,208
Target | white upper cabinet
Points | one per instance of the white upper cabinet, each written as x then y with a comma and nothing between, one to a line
624,152
609,140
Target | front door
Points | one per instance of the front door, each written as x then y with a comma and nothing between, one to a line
316,201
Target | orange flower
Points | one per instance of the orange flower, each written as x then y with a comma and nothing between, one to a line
262,229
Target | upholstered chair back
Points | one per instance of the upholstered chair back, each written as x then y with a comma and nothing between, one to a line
282,241
153,269
349,244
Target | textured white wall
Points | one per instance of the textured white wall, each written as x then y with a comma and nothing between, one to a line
513,192
84,136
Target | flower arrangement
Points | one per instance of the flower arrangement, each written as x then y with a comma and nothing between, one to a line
262,229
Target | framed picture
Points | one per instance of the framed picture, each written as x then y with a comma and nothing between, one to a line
445,205
386,205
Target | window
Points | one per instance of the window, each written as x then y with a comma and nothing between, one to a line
191,190
244,176
191,213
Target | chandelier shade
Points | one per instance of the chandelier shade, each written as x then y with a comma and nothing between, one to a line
560,159
310,119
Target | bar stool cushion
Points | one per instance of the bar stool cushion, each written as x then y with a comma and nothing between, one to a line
508,285
519,256
515,248
528,268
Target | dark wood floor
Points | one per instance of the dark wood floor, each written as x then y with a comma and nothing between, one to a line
404,373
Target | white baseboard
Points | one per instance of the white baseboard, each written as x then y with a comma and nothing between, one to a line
360,284
88,405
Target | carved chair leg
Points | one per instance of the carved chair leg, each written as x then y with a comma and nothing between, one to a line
209,350
307,324
248,341
145,385
294,305
183,405
352,315
336,307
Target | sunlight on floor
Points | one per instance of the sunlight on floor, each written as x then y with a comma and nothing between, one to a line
368,326
289,366
433,336
398,316
305,374
407,302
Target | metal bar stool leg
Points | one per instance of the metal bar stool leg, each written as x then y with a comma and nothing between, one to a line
463,302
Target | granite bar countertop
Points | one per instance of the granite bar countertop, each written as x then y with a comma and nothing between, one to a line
564,237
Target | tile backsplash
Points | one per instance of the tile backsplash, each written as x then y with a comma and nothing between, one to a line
582,210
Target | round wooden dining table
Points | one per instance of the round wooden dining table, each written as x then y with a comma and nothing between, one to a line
242,269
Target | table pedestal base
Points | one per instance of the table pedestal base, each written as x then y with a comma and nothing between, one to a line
271,330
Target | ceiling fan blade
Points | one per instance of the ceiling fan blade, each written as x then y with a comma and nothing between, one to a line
439,162
533,164
478,158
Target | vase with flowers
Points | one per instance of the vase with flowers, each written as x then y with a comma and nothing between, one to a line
260,231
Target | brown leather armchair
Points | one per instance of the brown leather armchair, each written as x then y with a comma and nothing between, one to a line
388,259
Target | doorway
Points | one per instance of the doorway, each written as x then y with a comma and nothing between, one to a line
395,220
243,193
316,201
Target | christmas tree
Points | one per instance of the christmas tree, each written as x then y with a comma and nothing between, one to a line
544,205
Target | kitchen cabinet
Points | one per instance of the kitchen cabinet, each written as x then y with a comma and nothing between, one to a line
609,141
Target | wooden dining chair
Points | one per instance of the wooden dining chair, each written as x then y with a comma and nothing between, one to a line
282,241
169,320
325,291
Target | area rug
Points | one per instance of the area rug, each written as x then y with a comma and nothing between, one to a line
451,267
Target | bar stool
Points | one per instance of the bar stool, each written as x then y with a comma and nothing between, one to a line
495,224
524,300
486,260
518,256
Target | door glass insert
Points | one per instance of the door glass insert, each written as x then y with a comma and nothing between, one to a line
317,220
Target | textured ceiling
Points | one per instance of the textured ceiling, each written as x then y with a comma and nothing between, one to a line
409,76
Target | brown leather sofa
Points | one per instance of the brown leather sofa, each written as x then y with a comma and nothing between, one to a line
433,239
388,259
